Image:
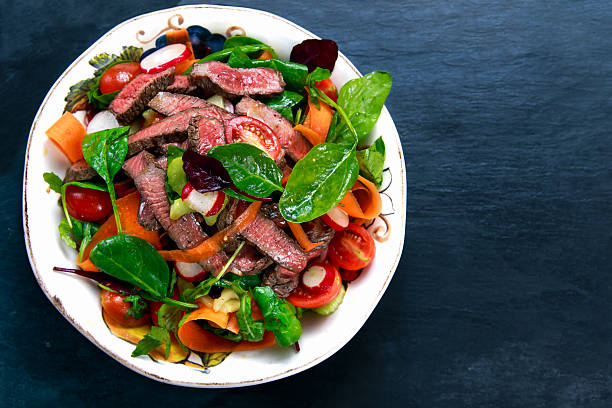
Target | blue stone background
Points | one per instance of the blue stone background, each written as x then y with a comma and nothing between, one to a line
504,291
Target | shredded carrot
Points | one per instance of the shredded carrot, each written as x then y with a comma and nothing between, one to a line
266,54
302,238
179,36
362,200
215,243
86,265
313,137
208,313
320,119
128,214
284,180
183,66
198,339
67,133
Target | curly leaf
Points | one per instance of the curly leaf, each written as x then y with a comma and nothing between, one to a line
77,95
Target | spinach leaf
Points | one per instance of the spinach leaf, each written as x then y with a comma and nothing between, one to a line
242,40
138,307
371,161
250,329
362,99
100,100
284,102
134,260
225,53
294,74
318,182
243,283
105,152
280,319
239,59
251,169
55,183
153,340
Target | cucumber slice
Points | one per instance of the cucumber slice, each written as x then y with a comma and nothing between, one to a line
332,306
176,175
178,209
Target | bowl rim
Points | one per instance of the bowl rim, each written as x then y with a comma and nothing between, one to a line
57,303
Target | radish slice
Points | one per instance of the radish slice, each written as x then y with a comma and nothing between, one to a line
102,121
207,204
319,277
189,271
164,58
336,218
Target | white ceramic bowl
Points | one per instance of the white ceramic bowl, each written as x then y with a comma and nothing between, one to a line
78,299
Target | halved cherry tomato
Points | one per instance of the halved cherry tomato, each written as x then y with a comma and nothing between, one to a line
250,130
328,88
325,292
117,309
87,204
352,248
115,78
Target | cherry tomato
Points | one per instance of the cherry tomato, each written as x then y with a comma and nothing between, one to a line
250,130
352,248
115,78
328,88
117,309
308,298
87,204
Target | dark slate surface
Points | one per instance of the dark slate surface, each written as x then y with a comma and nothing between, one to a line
502,297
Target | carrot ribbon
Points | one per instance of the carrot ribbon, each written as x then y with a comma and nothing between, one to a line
362,200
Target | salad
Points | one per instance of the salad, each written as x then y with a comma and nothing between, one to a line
217,193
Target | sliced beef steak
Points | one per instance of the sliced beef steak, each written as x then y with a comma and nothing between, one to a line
281,280
172,129
271,211
181,85
205,133
170,104
185,231
318,231
133,98
293,142
249,261
220,78
267,237
133,167
79,171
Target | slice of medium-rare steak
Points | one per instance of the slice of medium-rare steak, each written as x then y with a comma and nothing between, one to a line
275,243
292,142
318,231
79,171
181,85
220,78
133,166
271,211
133,98
185,231
204,133
163,149
170,104
248,261
215,263
172,129
266,236
281,280
146,217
